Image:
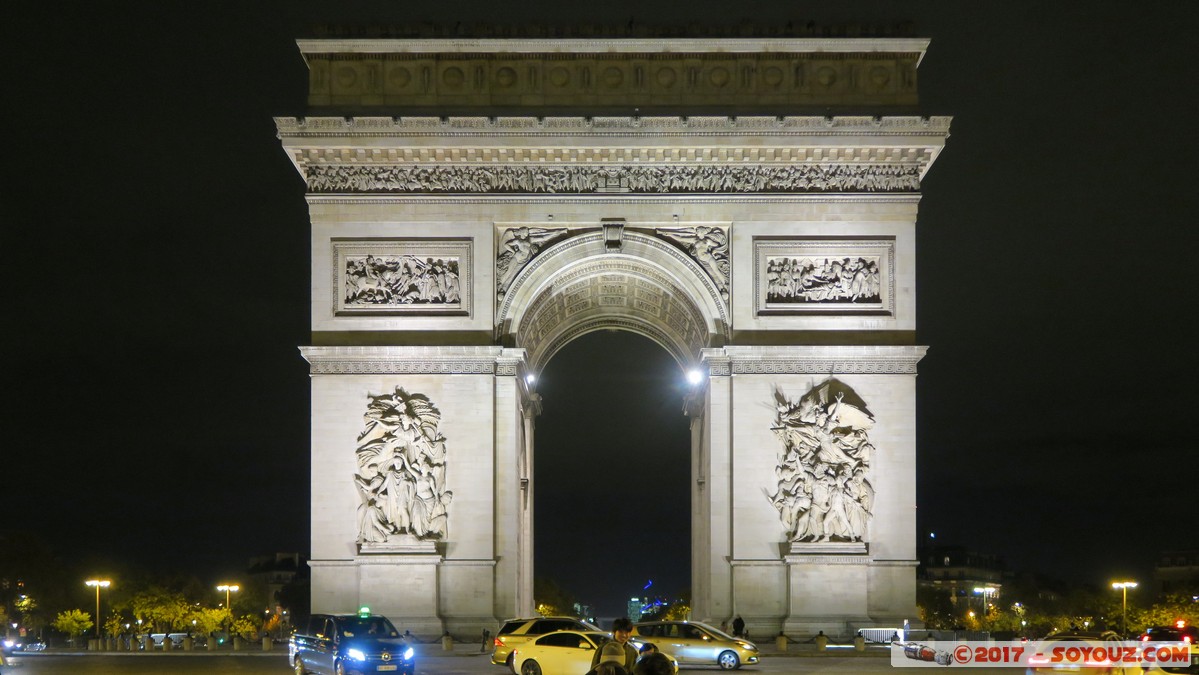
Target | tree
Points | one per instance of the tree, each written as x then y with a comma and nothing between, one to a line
73,622
209,620
246,627
550,598
164,610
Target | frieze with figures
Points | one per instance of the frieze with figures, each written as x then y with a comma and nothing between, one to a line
468,179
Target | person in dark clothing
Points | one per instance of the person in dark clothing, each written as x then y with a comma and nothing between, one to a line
609,659
738,626
655,663
622,630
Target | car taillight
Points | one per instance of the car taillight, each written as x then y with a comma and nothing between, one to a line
1186,639
499,642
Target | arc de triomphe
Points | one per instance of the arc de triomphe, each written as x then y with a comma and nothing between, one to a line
747,203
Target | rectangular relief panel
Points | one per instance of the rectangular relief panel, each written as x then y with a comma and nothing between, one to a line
393,277
824,276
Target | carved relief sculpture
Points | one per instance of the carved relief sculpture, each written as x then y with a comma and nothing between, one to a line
639,179
401,280
844,276
823,493
519,245
708,246
401,470
824,280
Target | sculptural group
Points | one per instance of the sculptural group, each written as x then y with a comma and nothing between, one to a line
823,493
401,470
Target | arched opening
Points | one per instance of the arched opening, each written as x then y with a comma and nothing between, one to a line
611,469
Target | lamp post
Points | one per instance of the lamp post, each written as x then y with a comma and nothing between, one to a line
984,591
1124,586
228,588
98,583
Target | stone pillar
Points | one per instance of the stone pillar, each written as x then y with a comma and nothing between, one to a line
712,491
530,410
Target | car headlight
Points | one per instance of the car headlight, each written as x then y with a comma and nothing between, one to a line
746,645
8,644
355,654
408,653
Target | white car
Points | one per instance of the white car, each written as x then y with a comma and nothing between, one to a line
565,652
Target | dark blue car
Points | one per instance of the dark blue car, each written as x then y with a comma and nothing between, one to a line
349,644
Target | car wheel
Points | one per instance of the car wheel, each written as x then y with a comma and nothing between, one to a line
728,661
530,667
339,668
299,667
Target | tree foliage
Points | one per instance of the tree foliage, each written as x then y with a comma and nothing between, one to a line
73,622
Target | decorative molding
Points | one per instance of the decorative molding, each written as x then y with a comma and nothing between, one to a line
936,127
865,360
822,548
606,45
555,254
808,559
719,364
673,179
401,360
612,199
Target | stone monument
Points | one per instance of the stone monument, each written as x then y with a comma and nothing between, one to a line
749,204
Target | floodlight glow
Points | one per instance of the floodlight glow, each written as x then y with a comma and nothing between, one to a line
694,377
530,378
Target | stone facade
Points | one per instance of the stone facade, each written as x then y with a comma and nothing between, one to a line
453,255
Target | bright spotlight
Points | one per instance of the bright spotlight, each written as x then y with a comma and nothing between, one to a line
530,378
694,377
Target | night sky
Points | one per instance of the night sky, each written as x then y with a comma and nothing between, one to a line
154,256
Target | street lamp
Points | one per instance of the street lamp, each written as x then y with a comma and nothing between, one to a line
98,583
1124,586
984,591
228,588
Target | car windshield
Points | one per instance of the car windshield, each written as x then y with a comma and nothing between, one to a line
376,626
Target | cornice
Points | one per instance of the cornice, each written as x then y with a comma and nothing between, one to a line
612,45
697,125
839,198
815,360
413,360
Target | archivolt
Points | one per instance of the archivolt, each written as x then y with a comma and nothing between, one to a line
578,286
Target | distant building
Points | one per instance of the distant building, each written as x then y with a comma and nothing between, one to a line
961,572
276,571
1177,572
634,609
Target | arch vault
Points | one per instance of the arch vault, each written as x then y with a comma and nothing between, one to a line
487,201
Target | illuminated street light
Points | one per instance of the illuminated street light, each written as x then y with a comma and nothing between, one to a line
983,592
1124,586
98,583
228,588
694,377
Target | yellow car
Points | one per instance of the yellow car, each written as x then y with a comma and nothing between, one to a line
695,643
517,632
566,652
